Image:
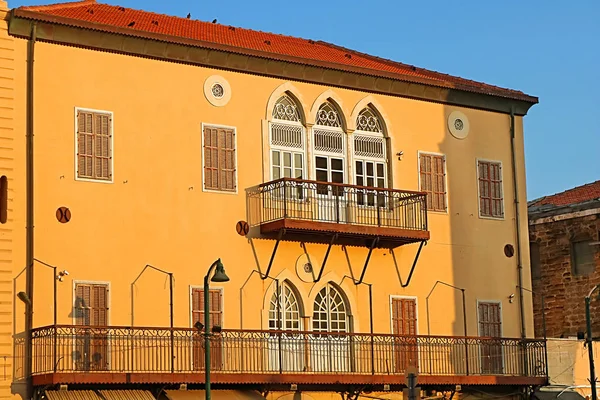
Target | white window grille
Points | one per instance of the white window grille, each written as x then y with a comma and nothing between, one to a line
286,109
368,121
328,116
369,146
287,135
329,141
330,311
287,309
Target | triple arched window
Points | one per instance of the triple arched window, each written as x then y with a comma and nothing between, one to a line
333,155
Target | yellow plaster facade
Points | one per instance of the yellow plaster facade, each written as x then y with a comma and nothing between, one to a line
155,211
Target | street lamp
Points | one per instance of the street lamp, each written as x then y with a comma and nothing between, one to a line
219,276
588,320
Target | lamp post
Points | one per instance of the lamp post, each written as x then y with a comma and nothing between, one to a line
588,340
219,276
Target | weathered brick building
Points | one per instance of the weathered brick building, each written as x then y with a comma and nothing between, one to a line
564,233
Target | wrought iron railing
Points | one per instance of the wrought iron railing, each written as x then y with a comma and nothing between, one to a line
77,349
336,203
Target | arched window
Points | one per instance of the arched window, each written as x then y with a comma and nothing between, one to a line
370,156
328,116
287,140
330,311
287,309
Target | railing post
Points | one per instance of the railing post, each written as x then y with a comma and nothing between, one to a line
378,211
280,353
337,204
55,345
283,183
467,356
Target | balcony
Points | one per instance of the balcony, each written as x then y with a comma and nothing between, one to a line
314,211
124,355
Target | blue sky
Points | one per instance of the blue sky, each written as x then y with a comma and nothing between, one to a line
546,48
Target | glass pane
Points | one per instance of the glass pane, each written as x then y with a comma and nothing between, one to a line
337,177
276,173
380,170
359,168
321,162
298,160
287,173
287,159
337,164
298,173
380,182
276,160
370,169
321,176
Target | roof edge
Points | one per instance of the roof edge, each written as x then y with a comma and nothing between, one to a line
27,14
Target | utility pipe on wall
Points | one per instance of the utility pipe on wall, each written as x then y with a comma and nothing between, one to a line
29,213
518,221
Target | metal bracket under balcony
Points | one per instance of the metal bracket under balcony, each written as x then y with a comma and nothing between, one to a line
310,211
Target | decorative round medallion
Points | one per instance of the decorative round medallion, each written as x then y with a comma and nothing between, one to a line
509,250
458,124
63,215
217,90
242,228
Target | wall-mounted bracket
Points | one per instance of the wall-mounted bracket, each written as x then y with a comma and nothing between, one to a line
412,269
333,239
279,236
371,247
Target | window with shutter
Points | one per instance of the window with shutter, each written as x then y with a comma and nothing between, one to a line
220,171
91,310
491,202
432,170
215,302
94,145
91,304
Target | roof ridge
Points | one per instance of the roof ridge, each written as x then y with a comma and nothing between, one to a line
574,188
67,4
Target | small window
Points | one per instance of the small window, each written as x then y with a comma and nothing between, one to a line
94,145
582,258
219,159
534,254
432,168
490,189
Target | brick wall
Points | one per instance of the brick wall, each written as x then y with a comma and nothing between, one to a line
564,292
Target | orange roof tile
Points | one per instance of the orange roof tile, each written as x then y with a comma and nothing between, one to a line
580,194
270,45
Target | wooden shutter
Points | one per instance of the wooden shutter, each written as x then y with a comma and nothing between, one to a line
215,303
219,159
490,321
404,316
433,180
490,189
94,145
91,305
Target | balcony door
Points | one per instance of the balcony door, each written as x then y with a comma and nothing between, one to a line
91,335
215,307
287,347
404,324
331,198
490,326
331,352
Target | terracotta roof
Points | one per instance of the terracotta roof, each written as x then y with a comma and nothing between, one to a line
270,45
577,195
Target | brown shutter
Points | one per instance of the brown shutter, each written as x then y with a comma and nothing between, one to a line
490,324
94,152
91,305
214,305
219,159
490,189
404,316
433,180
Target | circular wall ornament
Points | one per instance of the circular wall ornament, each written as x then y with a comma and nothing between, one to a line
458,124
217,90
509,250
63,215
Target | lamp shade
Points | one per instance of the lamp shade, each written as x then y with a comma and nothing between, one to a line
220,275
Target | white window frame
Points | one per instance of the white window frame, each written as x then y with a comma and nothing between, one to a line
431,153
237,171
112,146
74,318
477,160
315,153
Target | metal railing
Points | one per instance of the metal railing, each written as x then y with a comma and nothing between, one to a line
336,203
148,350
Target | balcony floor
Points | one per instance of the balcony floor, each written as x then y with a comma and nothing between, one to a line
348,234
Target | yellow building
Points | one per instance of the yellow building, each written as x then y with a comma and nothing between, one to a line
384,203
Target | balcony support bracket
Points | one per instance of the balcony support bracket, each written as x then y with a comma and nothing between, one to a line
414,264
333,239
364,271
280,235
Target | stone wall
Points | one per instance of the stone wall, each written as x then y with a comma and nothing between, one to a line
564,292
